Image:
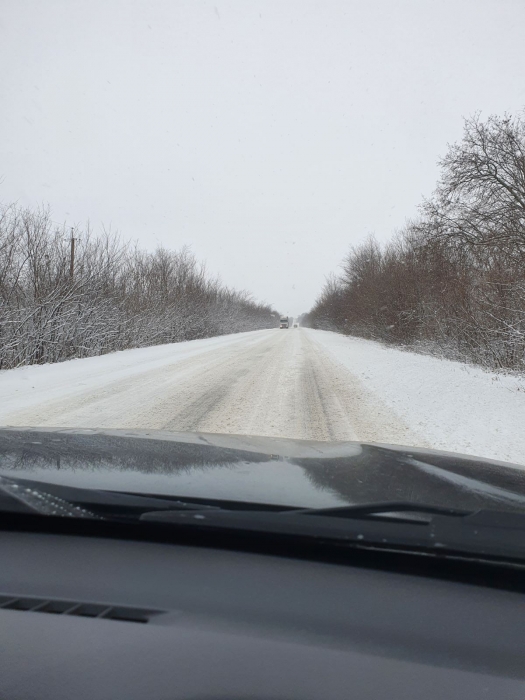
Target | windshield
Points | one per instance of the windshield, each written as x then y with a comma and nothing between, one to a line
182,180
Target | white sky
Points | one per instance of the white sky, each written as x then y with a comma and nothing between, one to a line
269,136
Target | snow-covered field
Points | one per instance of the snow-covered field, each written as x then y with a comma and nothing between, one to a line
296,383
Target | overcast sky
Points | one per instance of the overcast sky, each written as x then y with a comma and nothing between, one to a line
268,136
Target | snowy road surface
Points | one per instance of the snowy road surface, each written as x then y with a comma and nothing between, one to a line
296,383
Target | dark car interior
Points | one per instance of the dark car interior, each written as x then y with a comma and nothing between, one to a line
90,609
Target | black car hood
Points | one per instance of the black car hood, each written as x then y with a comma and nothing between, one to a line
256,469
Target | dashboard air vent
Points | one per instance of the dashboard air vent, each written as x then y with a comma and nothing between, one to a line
71,607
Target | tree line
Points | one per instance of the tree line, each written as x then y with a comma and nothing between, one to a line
109,296
451,281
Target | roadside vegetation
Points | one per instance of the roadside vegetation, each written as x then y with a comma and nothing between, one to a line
57,303
452,281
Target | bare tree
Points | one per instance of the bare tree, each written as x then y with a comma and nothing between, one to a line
119,297
453,281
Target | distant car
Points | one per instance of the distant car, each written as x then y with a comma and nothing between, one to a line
296,325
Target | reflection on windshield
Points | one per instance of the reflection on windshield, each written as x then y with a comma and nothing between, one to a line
335,475
157,466
380,474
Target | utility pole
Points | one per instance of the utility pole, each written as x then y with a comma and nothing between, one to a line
72,256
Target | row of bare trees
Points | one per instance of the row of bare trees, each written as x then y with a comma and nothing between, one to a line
452,281
115,297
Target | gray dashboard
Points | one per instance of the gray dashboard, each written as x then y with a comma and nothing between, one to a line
239,625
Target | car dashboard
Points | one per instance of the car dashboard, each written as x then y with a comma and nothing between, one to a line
99,617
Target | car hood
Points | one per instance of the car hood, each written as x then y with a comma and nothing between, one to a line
258,469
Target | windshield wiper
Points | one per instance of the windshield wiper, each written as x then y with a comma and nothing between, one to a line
17,497
25,495
126,504
391,525
386,508
394,511
395,526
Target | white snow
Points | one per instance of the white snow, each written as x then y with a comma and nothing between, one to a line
451,405
25,387
295,383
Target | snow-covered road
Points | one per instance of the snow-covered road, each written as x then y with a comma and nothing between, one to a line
296,383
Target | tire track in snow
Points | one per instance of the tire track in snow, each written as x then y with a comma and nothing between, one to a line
276,383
